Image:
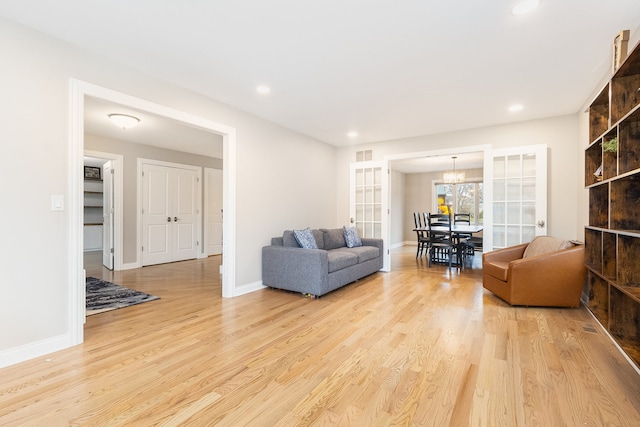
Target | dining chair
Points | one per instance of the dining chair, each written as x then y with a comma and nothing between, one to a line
464,218
442,244
421,234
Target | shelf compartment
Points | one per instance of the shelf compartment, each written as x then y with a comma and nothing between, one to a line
625,199
629,143
624,93
625,323
609,159
599,114
592,161
599,206
593,249
609,256
628,260
598,297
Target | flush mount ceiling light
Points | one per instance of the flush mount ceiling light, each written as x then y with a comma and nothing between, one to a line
453,177
263,89
515,107
124,121
525,7
352,134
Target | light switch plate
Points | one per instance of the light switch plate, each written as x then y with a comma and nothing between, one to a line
57,203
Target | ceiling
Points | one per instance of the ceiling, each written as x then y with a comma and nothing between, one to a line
152,130
387,70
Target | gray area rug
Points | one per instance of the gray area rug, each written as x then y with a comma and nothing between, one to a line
105,296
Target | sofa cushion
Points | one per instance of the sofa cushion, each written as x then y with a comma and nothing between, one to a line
339,259
351,237
333,238
497,269
545,244
364,253
289,240
305,238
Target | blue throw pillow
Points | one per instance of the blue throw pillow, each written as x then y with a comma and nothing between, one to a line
351,237
305,238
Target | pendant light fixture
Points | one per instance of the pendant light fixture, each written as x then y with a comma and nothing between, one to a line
453,177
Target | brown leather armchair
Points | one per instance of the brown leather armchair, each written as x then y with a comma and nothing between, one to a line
546,272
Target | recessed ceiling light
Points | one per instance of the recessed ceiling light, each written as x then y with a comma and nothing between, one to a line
515,107
263,89
525,7
124,121
352,134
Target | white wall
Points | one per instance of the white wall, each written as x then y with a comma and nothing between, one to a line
397,206
284,179
559,133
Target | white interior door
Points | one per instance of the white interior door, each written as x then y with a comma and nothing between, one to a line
368,202
156,215
183,198
519,194
213,203
169,214
107,214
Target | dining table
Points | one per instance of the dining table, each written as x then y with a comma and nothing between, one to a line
456,229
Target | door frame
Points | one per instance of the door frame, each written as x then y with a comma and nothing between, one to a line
118,217
78,89
208,172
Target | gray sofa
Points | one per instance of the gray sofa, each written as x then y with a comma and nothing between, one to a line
285,265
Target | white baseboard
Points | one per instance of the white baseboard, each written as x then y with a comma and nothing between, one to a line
246,289
129,266
398,245
34,350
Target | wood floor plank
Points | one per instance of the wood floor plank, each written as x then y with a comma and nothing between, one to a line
418,346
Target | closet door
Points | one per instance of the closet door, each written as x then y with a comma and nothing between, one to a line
169,214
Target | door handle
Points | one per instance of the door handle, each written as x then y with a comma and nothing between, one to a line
175,219
541,223
168,219
352,220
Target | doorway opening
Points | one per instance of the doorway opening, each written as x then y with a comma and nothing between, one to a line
80,90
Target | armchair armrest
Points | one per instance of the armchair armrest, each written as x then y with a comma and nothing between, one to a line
505,255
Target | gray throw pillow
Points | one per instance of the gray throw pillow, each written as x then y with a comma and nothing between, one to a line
305,238
351,237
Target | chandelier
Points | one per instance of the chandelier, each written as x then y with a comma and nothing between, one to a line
453,177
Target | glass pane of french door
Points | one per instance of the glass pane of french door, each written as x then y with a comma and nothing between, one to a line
519,195
366,212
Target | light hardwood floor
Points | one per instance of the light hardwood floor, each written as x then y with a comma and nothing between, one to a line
416,346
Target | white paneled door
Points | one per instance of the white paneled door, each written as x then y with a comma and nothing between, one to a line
519,194
169,213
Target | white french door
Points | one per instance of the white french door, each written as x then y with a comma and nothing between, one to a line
519,194
170,212
107,215
368,202
213,211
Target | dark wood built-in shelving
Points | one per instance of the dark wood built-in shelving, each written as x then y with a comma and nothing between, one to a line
612,237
